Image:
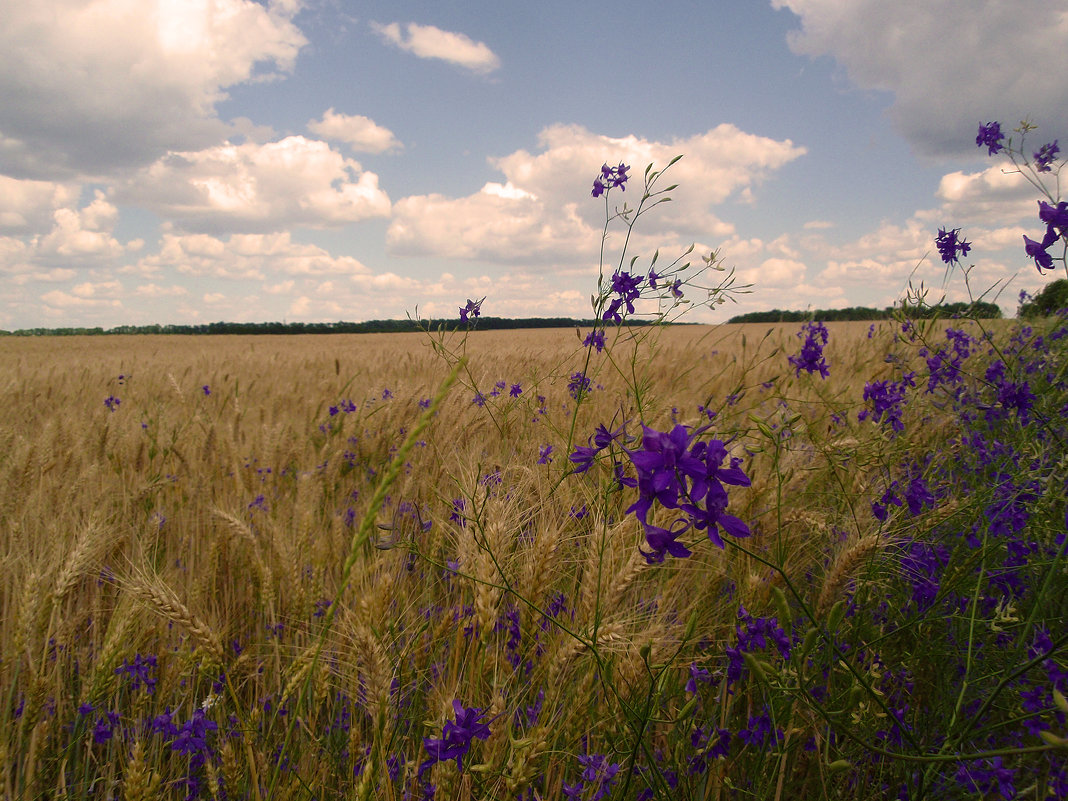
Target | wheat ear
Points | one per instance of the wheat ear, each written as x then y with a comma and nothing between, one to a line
842,572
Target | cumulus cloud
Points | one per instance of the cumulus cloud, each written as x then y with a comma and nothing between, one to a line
244,256
254,187
27,206
950,64
426,41
543,213
360,133
94,87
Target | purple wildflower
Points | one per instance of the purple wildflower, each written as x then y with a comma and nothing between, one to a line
1045,156
471,310
990,135
811,357
456,737
950,247
594,338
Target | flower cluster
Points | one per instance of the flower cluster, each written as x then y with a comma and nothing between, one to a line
682,473
456,737
811,357
472,310
950,248
611,178
598,773
1054,216
754,634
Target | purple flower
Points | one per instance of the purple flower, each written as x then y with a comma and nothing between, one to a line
1045,156
112,402
456,737
610,178
1054,216
1038,250
545,454
472,309
579,385
811,357
594,338
991,136
515,391
139,671
206,389
949,247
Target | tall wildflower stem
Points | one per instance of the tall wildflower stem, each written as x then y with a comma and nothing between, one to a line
368,522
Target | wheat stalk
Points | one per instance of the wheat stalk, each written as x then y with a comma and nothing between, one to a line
164,601
841,573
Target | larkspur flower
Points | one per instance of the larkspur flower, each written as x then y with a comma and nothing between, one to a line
471,310
545,454
515,391
579,385
456,737
950,248
610,178
1038,250
1045,156
596,339
112,402
990,135
139,672
811,358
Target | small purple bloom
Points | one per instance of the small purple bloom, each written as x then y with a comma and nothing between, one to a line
112,402
456,737
471,310
990,135
515,391
594,338
1045,156
950,247
545,455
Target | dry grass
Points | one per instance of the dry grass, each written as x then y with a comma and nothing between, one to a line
183,522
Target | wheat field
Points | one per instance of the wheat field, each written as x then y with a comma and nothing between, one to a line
225,574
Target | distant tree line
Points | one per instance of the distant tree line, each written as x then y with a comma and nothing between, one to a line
370,327
980,309
1050,300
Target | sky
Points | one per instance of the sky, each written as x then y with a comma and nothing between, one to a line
193,161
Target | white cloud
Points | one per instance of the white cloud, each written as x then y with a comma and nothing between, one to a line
254,187
362,134
543,213
157,291
244,256
65,300
426,41
950,64
26,206
92,87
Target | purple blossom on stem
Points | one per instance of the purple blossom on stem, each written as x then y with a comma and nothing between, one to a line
471,310
456,737
610,178
950,248
811,357
594,338
990,135
1045,156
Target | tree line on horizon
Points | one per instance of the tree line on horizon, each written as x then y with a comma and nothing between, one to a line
1052,298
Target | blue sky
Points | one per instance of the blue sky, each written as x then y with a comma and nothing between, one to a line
181,161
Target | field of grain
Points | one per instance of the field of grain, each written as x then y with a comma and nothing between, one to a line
306,567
